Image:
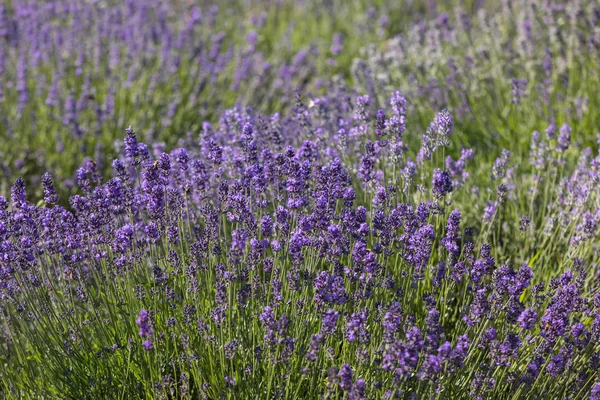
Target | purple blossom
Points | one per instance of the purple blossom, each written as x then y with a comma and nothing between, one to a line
451,241
442,183
500,165
329,321
444,123
345,376
398,103
329,289
50,196
143,322
131,146
362,108
564,137
147,345
595,393
356,328
380,123
527,319
18,194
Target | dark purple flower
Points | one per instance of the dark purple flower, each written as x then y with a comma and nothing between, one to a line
527,319
329,321
556,365
451,241
460,351
18,194
356,327
131,146
231,349
358,390
442,183
345,376
418,250
392,320
266,225
380,123
50,196
267,317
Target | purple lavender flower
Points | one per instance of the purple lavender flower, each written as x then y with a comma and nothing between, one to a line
500,165
556,365
380,123
451,241
358,390
398,103
527,319
131,146
50,196
551,132
564,137
18,194
518,87
356,327
143,322
147,345
444,125
595,393
392,320
418,249
267,226
329,289
345,376
403,357
362,108
457,168
442,183
329,321
460,351
337,44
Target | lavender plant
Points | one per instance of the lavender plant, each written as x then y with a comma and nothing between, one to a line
286,217
308,255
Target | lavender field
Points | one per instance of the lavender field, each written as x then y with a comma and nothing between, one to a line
339,199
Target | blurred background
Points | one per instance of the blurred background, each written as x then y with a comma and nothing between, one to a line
75,74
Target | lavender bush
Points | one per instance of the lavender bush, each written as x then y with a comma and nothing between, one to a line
284,217
304,256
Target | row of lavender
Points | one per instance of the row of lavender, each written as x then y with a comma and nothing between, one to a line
73,72
308,255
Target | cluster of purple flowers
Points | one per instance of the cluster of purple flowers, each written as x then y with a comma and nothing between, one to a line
266,254
314,252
